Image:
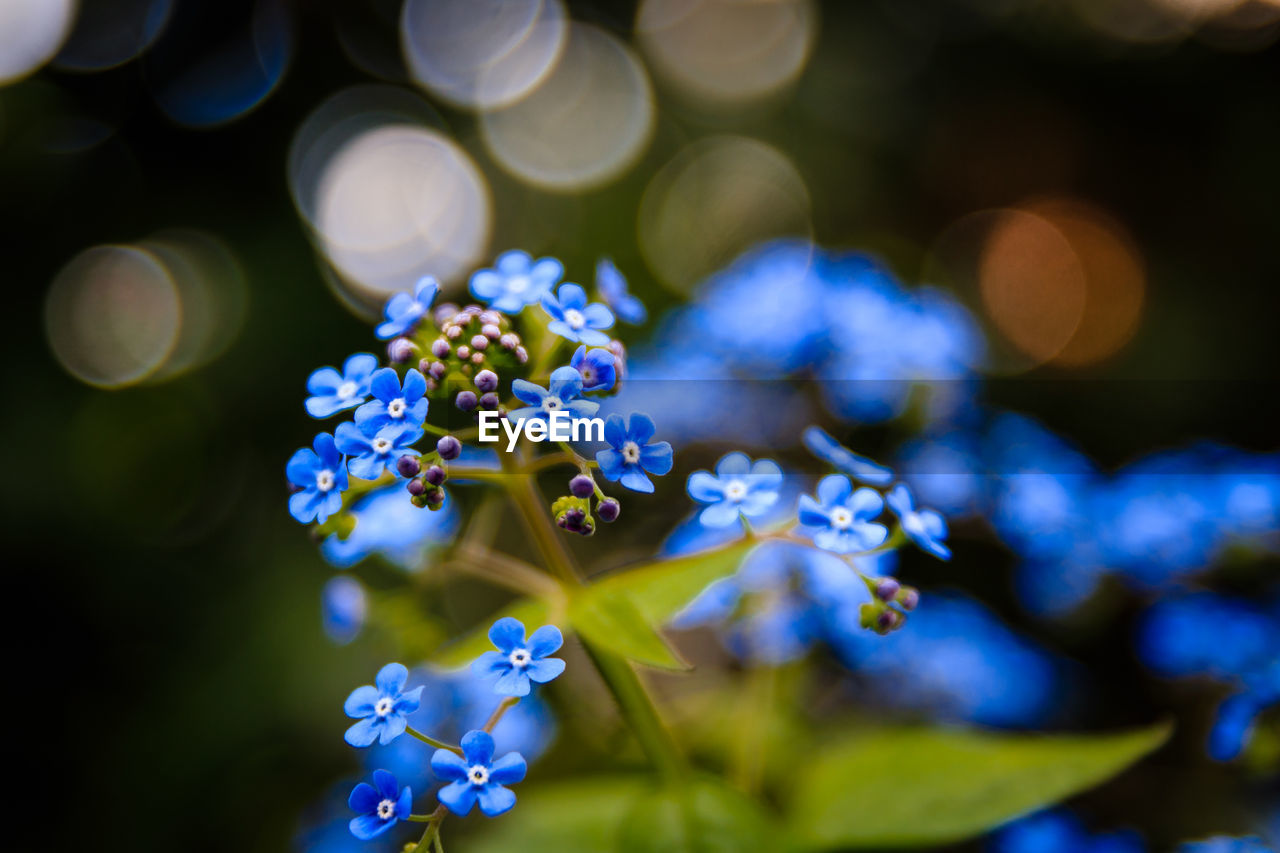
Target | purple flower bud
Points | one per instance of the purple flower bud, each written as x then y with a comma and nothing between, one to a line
888,620
490,331
608,510
489,401
464,352
522,355
400,350
440,348
453,332
449,447
424,365
466,400
435,475
582,486
416,487
509,341
432,384
490,318
908,598
487,380
479,342
408,466
477,358
437,370
443,312
435,496
887,588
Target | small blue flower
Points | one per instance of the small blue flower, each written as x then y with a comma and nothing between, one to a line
1060,831
333,392
564,393
738,486
517,661
405,406
598,368
381,710
516,282
844,460
630,455
474,775
403,311
841,517
379,806
342,608
574,319
924,527
322,475
373,451
613,287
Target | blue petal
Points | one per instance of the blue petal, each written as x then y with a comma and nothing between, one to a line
495,799
542,671
359,367
720,514
834,489
704,488
391,679
640,428
612,466
458,797
485,284
733,465
571,297
363,798
368,466
634,479
326,451
615,432
582,408
386,784
404,805
351,440
490,664
513,682
448,766
393,725
597,316
302,467
592,337
527,392
509,769
303,506
866,503
545,641
368,826
477,746
324,382
566,383
361,701
507,634
657,458
553,308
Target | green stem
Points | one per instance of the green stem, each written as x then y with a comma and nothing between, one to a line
430,741
496,717
432,831
437,843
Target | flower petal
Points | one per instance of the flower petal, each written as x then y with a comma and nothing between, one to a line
509,769
704,487
363,798
513,682
391,679
720,514
507,634
640,428
615,432
734,465
361,701
393,725
385,384
477,747
415,385
489,664
302,467
385,782
657,458
611,464
545,641
495,799
527,392
866,503
324,382
369,826
571,297
458,797
448,766
597,316
634,479
834,489
544,670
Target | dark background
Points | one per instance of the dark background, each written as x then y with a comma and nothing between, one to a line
170,685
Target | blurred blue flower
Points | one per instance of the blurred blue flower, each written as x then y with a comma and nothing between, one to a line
1226,844
1060,831
598,368
564,393
475,776
381,709
572,318
822,445
737,487
630,456
393,404
613,289
516,281
840,520
403,311
342,609
945,471
924,526
321,474
378,807
332,392
387,524
518,661
373,450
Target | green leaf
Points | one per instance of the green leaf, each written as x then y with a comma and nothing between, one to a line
702,815
661,590
559,817
533,612
610,619
914,786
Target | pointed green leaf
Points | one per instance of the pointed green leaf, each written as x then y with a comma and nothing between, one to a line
915,787
610,619
661,589
533,612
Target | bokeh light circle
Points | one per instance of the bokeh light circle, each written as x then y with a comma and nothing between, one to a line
108,33
482,53
713,201
31,31
112,315
726,50
587,122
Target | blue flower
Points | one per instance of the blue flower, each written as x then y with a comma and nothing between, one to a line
844,460
342,608
574,319
474,775
613,287
389,525
373,450
840,520
381,710
923,527
1060,831
738,486
333,392
516,282
403,311
379,806
405,406
565,393
322,476
630,455
517,661
598,368
1226,844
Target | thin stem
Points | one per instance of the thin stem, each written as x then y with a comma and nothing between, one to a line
462,472
432,831
433,429
430,741
437,843
419,818
496,717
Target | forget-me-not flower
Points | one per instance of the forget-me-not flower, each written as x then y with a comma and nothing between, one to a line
630,456
613,287
372,451
379,805
475,776
518,661
404,310
738,486
322,475
564,393
381,709
333,392
844,460
393,404
516,281
572,318
923,526
598,368
840,520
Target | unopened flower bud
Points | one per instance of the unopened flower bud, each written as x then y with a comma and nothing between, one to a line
888,619
522,355
479,342
487,380
464,352
608,510
490,317
582,486
452,332
400,350
435,475
509,341
489,401
477,358
440,348
908,598
887,588
416,487
435,496
449,448
466,400
490,331
438,369
418,500
408,466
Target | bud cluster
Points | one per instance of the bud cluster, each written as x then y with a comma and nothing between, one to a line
879,614
474,344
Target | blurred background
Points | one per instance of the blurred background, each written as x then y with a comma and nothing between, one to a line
205,201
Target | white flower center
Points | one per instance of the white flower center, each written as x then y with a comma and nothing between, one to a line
519,658
347,390
396,408
551,402
841,518
735,490
386,809
324,480
631,453
518,283
381,445
478,774
575,319
383,707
